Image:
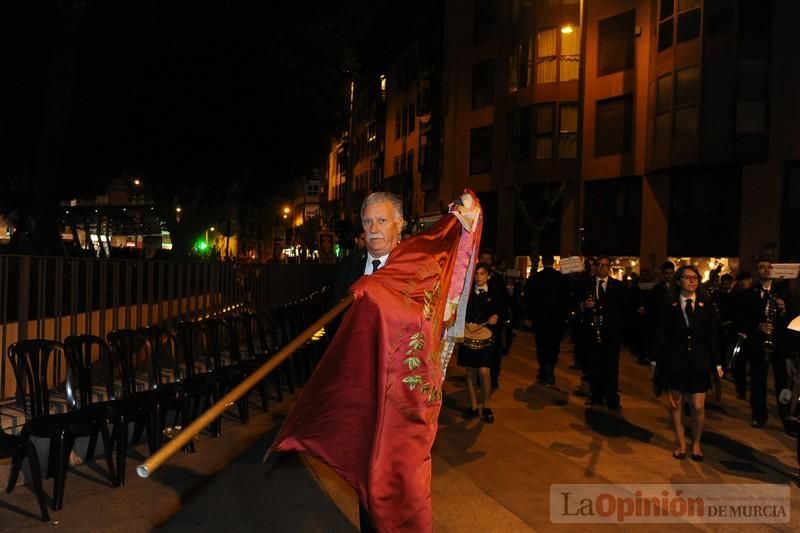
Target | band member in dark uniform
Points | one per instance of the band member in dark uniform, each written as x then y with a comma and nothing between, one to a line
545,300
504,330
605,309
759,313
687,349
485,310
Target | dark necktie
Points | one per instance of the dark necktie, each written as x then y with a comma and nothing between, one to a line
601,290
481,291
376,264
689,311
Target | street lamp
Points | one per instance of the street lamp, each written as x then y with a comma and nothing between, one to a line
567,28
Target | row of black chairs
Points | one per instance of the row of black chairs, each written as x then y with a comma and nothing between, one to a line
143,376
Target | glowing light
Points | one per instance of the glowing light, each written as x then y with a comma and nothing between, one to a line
211,228
178,209
286,210
137,182
567,29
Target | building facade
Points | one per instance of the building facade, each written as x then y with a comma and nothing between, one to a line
644,129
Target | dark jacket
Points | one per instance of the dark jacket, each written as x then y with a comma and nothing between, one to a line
679,348
481,306
348,271
546,297
615,309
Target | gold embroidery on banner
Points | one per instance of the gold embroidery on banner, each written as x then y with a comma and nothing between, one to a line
428,389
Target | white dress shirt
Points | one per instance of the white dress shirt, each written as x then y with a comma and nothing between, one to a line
368,267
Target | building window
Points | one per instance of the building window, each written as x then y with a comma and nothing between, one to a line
518,66
410,162
614,127
412,118
704,215
664,93
568,131
790,244
546,64
751,116
398,123
544,121
483,84
688,20
480,150
569,65
616,43
687,86
663,126
666,25
397,165
686,122
612,216
519,134
485,15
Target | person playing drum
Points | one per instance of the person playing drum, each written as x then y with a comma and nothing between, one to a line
485,310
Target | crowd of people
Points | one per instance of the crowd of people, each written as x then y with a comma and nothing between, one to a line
689,331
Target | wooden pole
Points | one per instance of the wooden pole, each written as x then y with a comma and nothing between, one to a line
181,439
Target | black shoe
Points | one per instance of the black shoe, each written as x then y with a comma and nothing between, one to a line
789,429
758,423
615,408
471,413
592,403
551,379
488,415
680,456
697,458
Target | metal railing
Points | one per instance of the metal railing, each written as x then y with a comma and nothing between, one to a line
53,297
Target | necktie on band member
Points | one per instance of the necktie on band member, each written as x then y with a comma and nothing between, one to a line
689,311
376,264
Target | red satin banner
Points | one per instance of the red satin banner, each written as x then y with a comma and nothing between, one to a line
371,407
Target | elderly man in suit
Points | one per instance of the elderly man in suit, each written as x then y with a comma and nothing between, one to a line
382,220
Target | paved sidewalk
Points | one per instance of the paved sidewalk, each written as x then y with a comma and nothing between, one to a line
486,477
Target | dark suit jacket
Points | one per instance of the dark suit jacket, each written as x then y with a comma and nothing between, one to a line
615,309
679,348
348,271
546,298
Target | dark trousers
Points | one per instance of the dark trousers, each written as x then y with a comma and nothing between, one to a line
548,345
739,372
604,373
759,368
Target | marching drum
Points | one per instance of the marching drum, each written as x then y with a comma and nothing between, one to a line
477,336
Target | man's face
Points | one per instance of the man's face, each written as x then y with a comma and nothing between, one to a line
667,274
746,283
727,283
485,258
764,269
592,267
603,268
381,228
